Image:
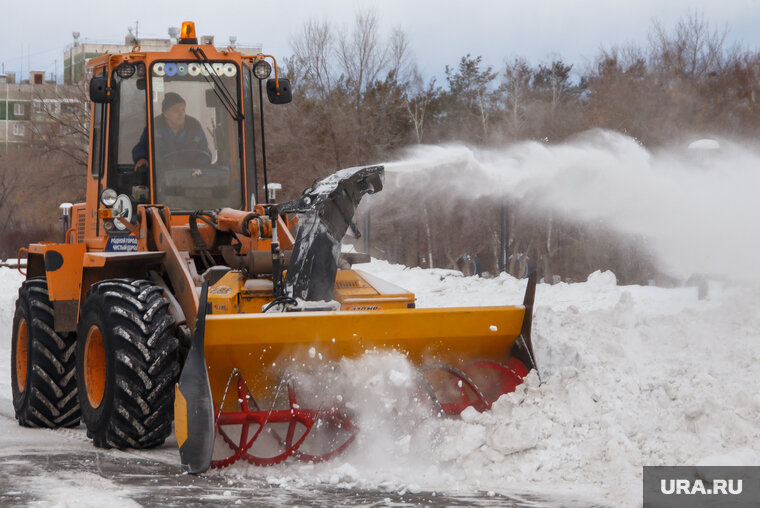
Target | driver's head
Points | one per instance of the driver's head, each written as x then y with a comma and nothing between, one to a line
173,109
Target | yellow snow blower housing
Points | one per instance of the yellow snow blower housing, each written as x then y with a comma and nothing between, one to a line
176,295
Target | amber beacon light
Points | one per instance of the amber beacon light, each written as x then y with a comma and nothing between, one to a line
187,34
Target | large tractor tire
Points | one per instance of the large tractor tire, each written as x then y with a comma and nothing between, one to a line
42,363
127,364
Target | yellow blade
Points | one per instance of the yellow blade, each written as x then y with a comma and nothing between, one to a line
262,346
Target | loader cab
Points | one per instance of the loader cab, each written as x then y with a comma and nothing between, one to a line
174,135
177,128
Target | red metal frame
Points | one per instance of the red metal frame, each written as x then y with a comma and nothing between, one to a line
502,378
508,377
333,417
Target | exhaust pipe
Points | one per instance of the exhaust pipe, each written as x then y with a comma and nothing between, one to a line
65,209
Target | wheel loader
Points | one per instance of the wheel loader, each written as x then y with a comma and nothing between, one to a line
176,296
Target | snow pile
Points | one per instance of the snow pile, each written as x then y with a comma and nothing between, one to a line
692,207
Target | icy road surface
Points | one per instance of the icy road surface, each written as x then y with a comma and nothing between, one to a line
631,376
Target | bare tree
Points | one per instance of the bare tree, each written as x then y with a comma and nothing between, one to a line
312,62
372,66
50,168
516,87
420,98
9,185
31,188
362,54
400,59
350,83
315,73
61,124
692,50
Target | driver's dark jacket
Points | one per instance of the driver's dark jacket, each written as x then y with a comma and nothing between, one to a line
184,147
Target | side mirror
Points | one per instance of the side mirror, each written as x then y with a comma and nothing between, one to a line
281,94
99,90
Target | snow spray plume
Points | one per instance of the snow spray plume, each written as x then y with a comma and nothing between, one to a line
695,209
382,393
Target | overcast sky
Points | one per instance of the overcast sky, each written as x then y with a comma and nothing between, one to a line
440,31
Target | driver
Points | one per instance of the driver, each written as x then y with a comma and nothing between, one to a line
178,137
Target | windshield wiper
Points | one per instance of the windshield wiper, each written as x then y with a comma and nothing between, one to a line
218,86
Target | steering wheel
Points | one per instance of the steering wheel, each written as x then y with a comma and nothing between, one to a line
200,156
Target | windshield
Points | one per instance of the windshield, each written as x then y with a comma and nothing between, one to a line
195,139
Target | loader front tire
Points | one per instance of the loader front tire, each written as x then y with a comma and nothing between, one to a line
42,363
127,364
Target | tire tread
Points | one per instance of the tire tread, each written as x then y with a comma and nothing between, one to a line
145,363
52,400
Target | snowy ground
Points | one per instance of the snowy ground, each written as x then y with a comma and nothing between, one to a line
630,376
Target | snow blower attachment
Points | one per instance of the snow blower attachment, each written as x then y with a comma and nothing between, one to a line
176,294
325,314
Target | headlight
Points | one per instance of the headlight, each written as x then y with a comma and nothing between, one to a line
108,197
125,70
262,69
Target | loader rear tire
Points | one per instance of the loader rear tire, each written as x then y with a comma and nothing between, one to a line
42,363
127,364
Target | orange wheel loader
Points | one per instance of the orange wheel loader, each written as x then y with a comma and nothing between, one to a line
177,296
